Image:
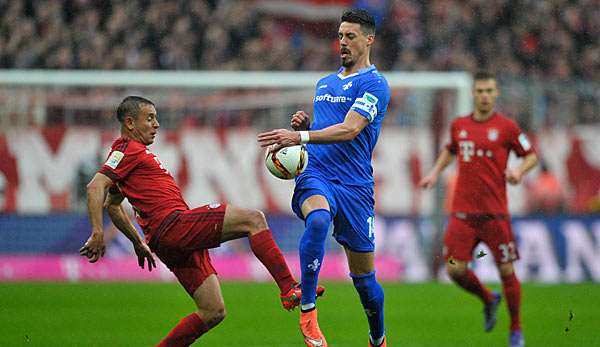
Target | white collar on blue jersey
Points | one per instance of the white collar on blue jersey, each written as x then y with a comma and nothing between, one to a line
363,70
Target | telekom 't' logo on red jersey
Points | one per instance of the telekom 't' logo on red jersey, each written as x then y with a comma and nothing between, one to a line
467,149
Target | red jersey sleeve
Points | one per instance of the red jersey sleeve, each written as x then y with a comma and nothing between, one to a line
518,140
120,164
452,146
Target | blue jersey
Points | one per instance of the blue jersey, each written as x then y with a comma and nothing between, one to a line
366,92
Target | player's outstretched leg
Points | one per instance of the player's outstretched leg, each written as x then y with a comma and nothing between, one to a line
371,297
265,249
240,222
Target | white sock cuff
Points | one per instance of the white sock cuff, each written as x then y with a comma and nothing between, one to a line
307,306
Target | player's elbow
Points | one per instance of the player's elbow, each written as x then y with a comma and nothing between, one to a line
350,132
534,159
94,187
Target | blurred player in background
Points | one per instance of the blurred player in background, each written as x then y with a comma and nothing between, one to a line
482,142
178,235
337,186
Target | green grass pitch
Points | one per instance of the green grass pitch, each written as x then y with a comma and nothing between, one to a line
139,314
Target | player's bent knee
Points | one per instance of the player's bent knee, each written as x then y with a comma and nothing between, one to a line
456,271
506,269
242,222
257,221
319,219
212,317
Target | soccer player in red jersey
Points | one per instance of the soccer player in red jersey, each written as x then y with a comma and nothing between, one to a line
178,235
481,142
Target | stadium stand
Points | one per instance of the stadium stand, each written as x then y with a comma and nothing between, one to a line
559,39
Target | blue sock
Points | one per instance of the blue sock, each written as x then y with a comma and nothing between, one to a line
371,297
312,249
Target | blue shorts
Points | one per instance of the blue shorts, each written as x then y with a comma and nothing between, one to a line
352,208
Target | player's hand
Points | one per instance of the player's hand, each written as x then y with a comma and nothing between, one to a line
278,138
428,181
94,247
144,255
300,121
513,176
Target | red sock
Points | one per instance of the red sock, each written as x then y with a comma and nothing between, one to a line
266,250
512,292
185,332
471,283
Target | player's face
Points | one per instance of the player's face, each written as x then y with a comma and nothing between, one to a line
145,125
485,93
353,43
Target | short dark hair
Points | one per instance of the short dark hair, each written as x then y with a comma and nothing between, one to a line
130,106
362,17
483,75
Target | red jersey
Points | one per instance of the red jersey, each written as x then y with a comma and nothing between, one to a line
482,150
142,179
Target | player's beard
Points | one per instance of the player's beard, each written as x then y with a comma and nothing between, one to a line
348,62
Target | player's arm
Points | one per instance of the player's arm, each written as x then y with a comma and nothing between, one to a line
514,176
444,159
352,125
119,217
121,220
94,247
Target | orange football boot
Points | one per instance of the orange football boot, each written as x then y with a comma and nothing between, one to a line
313,337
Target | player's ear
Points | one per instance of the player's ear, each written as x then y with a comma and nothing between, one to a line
128,122
370,39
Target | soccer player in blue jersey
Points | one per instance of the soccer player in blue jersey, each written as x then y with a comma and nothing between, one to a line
337,185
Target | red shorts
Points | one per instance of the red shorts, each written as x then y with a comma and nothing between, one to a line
463,235
183,243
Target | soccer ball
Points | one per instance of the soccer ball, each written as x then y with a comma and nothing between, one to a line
287,162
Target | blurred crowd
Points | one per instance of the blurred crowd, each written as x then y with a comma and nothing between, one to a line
208,35
553,38
547,53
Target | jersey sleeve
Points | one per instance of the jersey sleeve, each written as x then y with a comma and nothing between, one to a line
518,141
452,146
119,164
372,98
